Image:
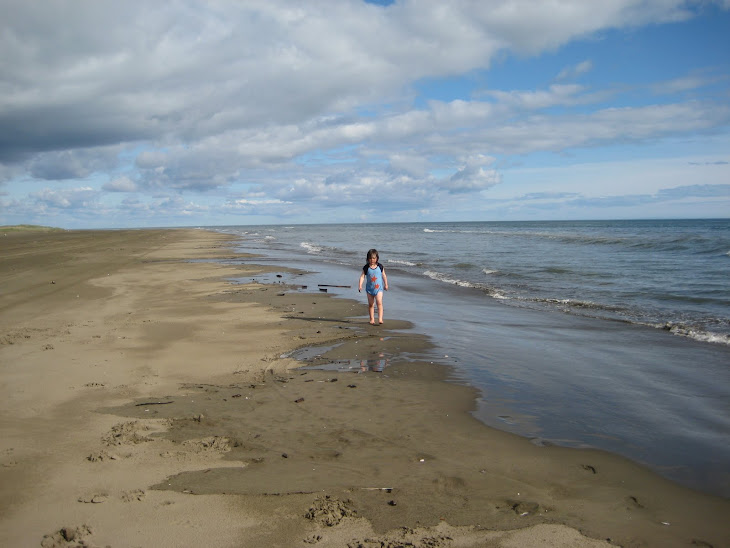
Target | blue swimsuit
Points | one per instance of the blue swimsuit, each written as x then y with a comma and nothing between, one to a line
374,279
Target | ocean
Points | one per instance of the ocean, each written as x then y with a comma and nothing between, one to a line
612,335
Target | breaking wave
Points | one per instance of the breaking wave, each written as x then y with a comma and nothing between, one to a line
311,248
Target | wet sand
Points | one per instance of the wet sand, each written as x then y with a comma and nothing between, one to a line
144,401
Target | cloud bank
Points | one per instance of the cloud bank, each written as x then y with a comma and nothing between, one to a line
162,112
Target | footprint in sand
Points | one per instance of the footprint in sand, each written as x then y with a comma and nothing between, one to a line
633,502
100,456
525,508
11,461
67,536
330,511
135,495
126,433
219,444
94,499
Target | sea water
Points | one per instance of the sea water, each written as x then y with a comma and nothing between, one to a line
606,334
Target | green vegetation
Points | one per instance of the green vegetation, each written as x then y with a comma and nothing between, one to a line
29,228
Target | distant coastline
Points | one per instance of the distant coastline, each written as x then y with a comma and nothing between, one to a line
30,228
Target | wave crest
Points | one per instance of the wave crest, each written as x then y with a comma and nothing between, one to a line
311,248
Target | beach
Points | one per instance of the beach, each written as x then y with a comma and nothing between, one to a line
146,400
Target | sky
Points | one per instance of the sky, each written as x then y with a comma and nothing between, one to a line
211,113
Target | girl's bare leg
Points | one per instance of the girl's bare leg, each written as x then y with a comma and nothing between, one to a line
371,310
379,298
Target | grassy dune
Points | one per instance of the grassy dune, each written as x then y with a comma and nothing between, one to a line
29,228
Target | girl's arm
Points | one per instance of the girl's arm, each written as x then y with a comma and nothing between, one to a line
362,279
385,280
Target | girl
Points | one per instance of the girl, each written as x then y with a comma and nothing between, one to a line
377,281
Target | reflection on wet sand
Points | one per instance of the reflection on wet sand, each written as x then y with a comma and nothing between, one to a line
376,365
357,365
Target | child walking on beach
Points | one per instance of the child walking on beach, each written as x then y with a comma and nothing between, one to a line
377,281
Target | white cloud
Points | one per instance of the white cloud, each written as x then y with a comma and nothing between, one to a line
72,198
412,164
470,179
139,70
689,82
121,184
576,70
556,94
72,163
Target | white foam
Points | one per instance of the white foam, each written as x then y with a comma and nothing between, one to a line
404,263
698,335
438,276
311,248
488,272
452,231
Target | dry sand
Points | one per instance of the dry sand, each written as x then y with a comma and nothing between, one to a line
144,401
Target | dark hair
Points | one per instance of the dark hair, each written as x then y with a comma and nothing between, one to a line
372,253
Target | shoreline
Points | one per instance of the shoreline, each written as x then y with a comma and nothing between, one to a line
635,391
131,320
